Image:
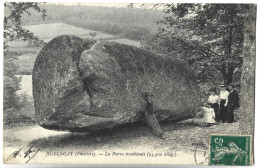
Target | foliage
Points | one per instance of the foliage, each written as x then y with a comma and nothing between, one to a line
11,84
12,31
25,112
35,43
93,34
135,33
12,21
208,36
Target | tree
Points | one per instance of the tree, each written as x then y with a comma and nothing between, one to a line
12,31
12,21
208,36
247,101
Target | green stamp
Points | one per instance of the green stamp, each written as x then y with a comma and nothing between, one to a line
230,150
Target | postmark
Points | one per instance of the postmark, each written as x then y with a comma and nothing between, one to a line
230,150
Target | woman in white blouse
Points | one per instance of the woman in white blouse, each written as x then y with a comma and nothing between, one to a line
223,102
213,101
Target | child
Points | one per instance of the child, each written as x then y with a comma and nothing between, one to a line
209,115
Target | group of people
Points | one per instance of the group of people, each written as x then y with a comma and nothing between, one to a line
220,107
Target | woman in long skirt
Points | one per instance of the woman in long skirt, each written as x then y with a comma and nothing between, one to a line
223,103
213,101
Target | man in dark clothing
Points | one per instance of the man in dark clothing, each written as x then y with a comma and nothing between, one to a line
232,103
147,109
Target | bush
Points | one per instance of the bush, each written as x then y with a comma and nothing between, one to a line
16,108
22,114
11,84
135,33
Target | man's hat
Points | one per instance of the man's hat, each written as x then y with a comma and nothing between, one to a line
222,85
232,85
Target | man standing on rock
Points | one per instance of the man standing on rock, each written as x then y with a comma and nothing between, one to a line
147,109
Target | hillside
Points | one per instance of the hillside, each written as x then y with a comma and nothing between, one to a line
47,32
27,54
122,25
130,23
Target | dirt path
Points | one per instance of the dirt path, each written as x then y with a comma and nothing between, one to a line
182,139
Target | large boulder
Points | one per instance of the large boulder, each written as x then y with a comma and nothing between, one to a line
82,86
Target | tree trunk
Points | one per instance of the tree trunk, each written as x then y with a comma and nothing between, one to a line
247,111
227,73
229,77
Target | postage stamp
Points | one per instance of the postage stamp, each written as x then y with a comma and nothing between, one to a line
230,150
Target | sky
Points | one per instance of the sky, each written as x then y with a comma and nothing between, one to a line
121,5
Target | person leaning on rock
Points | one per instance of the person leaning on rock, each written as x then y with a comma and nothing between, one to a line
147,110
